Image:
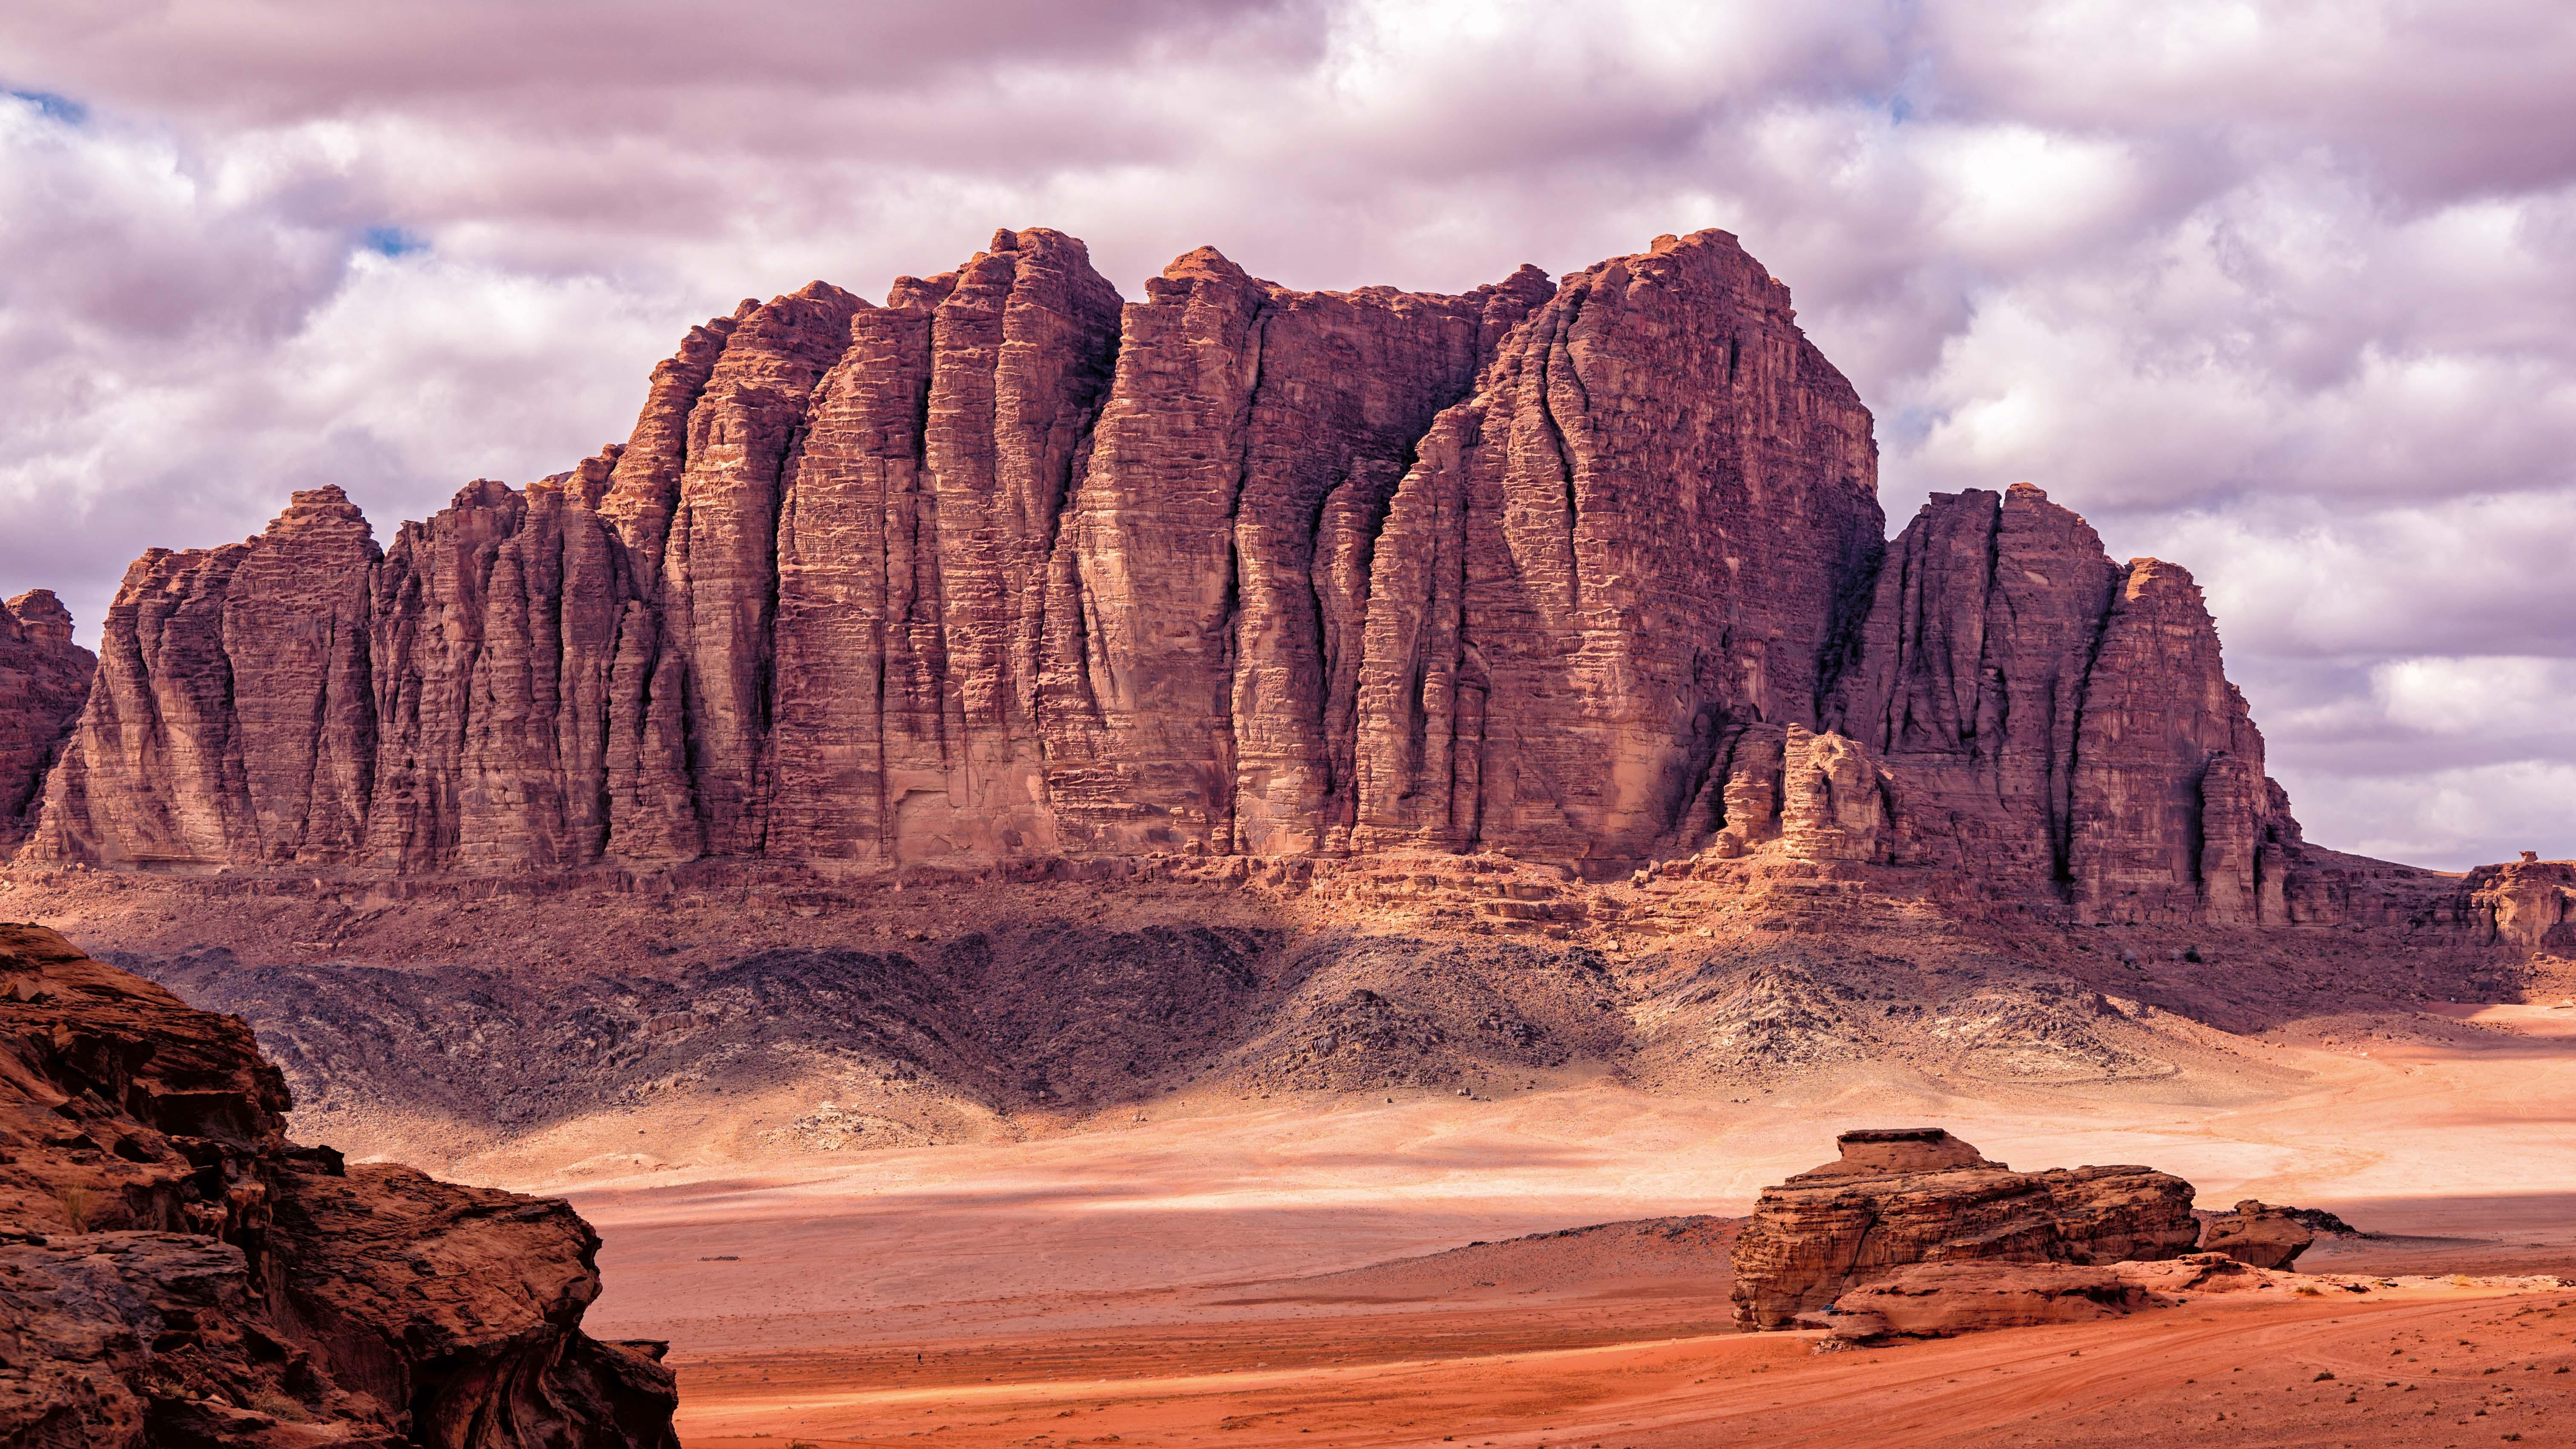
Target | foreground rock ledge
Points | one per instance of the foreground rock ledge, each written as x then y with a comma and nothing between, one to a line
173,1271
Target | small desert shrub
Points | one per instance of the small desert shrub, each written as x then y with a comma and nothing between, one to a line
279,1406
75,1203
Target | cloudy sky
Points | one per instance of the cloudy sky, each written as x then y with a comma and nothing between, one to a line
2284,292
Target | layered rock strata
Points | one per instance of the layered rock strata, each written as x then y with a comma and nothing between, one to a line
1941,1299
44,679
2528,902
1008,568
174,1271
1922,1196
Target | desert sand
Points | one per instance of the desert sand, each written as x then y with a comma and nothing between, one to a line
1250,1272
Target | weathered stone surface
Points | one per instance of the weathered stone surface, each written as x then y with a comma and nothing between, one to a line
2060,723
44,680
1971,673
233,720
2264,1236
1920,1195
174,1271
1010,569
1941,1299
1632,540
494,627
2172,810
2527,902
1020,359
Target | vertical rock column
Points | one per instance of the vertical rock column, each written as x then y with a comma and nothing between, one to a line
652,809
233,719
719,570
1348,382
1631,540
859,652
496,627
1139,703
1022,356
44,679
295,638
1970,673
2171,809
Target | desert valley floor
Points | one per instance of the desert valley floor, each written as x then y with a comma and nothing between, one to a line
1238,1248
1250,1273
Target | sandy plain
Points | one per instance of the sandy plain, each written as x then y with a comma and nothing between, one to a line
1246,1272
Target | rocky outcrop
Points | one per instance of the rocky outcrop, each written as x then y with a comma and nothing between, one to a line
2063,722
44,679
1628,545
2528,902
1009,569
174,1271
1919,1195
1941,1299
2260,1235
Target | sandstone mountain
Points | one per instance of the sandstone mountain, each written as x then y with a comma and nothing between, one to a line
44,677
1009,570
174,1271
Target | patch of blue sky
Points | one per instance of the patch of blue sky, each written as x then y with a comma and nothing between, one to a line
53,107
391,241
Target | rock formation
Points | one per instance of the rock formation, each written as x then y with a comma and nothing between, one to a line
2256,1234
1006,568
44,677
1940,1299
174,1271
2528,902
1919,1195
2062,721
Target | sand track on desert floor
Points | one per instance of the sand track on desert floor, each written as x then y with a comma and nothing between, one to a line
1255,1272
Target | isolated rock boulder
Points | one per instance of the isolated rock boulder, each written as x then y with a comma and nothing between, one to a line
1916,1195
2257,1234
173,1271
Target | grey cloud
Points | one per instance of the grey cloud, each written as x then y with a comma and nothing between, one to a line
263,62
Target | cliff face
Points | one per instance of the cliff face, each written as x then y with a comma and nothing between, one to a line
174,1271
44,677
2063,724
1009,568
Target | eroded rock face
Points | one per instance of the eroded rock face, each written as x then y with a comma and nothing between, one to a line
2527,902
1629,544
44,680
174,1271
2063,722
1941,1299
1009,568
1921,1196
